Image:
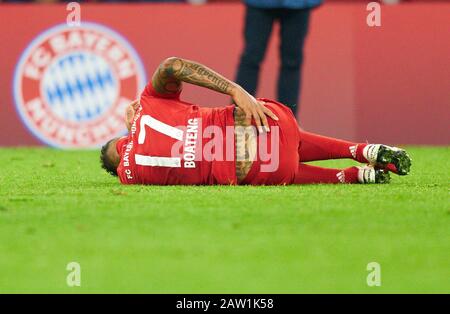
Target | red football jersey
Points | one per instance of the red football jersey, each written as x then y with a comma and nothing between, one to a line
171,141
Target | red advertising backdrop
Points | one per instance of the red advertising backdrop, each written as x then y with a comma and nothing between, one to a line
382,84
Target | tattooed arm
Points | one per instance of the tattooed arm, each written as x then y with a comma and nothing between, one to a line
173,71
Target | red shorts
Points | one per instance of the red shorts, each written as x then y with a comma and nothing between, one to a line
277,158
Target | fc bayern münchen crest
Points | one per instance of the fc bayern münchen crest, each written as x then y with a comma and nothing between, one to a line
72,84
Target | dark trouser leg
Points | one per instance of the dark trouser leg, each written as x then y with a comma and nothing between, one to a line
293,31
258,26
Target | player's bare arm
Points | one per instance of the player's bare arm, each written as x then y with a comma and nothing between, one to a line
129,113
169,76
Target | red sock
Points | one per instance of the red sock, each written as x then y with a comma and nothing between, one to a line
317,147
312,174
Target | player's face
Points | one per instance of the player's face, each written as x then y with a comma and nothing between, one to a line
109,156
112,152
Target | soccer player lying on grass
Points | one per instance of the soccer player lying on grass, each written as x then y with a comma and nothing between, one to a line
254,141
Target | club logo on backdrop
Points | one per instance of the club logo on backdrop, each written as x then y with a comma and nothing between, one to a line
72,85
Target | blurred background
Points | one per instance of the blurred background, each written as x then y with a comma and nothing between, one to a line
388,83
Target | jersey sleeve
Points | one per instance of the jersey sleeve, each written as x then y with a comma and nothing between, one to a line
150,91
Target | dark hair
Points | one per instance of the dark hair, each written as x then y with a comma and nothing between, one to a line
106,161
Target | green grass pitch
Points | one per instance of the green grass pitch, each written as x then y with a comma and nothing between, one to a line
58,207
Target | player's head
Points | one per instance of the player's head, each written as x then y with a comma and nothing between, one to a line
109,157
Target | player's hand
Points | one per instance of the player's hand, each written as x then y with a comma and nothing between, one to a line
253,108
130,112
